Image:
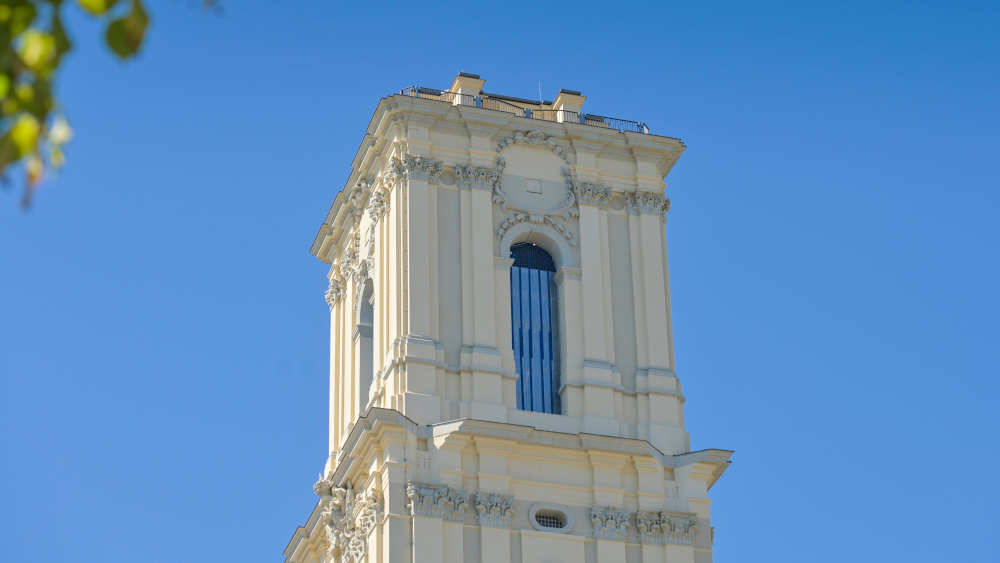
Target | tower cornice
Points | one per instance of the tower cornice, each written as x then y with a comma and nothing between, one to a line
373,152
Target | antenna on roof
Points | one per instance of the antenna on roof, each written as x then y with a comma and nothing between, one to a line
539,92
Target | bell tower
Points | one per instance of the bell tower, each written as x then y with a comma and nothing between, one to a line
502,382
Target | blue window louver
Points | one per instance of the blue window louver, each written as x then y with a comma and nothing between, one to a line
534,328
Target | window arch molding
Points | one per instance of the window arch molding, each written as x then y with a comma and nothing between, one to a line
544,236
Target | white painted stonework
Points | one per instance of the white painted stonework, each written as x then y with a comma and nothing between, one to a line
430,460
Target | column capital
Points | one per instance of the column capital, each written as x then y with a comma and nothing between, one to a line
437,501
495,509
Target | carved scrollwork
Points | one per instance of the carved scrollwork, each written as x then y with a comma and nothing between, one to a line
348,519
609,523
535,138
495,510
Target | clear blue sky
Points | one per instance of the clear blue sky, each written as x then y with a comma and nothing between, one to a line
834,261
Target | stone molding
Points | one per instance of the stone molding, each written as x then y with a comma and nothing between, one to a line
348,519
437,501
666,527
537,219
609,523
495,509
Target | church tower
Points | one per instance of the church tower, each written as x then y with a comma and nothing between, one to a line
502,383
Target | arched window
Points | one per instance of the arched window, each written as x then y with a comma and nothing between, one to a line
534,324
366,352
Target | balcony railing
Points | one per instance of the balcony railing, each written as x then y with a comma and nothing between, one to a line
496,104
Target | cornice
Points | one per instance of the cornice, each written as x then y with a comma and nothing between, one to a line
394,109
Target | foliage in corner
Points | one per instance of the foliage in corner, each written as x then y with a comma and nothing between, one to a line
32,129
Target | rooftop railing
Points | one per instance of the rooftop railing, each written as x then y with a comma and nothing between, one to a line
497,104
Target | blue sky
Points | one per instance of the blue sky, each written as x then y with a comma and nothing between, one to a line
833,240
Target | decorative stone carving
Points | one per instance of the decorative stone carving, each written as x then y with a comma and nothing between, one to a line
370,240
358,276
517,217
494,509
679,530
418,167
334,292
437,501
647,202
650,526
588,193
499,197
535,138
323,487
347,263
378,204
663,527
478,176
348,520
358,197
609,523
564,208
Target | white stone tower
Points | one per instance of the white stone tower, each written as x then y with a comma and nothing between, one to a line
502,384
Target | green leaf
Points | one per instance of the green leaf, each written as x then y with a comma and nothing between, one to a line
24,134
125,34
97,7
38,51
63,43
17,16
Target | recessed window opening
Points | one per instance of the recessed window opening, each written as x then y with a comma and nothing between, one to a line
534,328
366,351
550,519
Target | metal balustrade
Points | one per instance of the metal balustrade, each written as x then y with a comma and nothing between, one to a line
555,115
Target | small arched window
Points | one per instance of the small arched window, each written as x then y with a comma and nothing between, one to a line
534,327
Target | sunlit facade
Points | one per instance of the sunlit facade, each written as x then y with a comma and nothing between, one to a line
502,382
